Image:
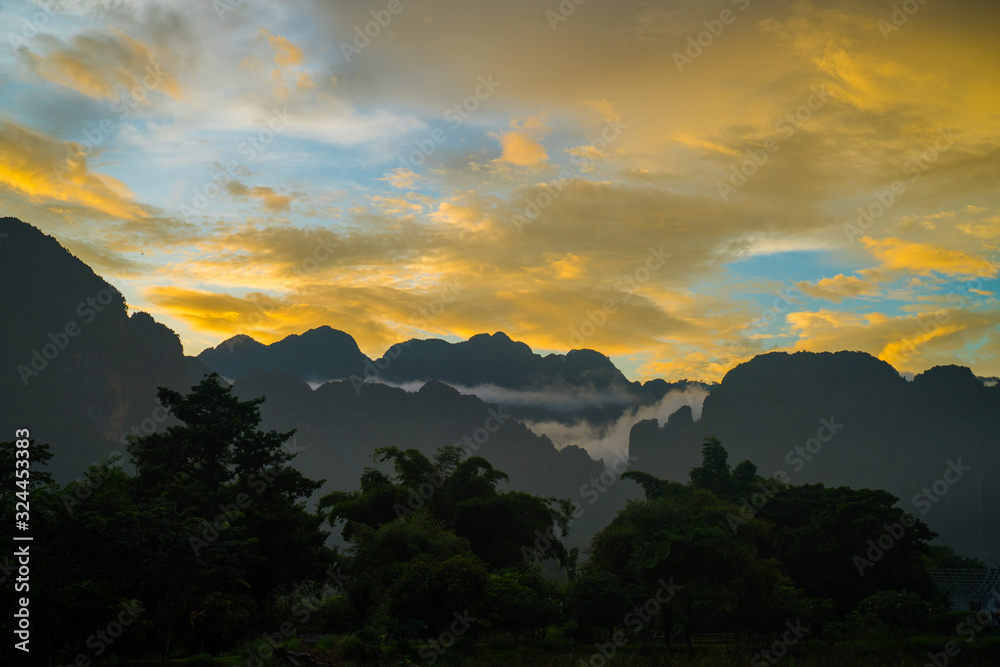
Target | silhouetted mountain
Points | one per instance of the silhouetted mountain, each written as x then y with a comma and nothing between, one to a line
318,355
582,384
79,371
500,361
890,434
339,427
95,378
75,368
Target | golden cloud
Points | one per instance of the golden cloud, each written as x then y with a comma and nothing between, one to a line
926,259
103,65
50,172
838,288
521,149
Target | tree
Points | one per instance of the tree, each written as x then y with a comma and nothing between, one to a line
681,535
846,544
713,473
462,495
600,600
901,613
229,511
941,555
521,602
424,542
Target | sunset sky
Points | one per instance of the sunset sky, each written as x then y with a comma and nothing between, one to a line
675,184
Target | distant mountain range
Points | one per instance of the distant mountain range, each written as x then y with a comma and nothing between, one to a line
580,384
847,418
80,370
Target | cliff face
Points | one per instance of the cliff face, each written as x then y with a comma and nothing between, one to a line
847,418
75,368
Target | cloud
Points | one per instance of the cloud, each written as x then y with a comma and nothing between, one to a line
45,170
907,342
521,149
102,65
604,442
401,178
272,201
838,288
286,54
925,258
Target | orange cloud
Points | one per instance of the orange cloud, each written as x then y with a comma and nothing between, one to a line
926,258
286,54
102,65
521,149
45,170
838,288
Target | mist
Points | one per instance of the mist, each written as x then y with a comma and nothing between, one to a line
603,441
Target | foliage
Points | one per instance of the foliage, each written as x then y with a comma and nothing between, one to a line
901,613
828,542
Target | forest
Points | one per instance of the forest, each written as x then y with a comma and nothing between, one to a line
205,546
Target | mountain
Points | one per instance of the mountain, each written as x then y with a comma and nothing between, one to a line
580,385
339,426
847,418
317,355
79,371
76,368
497,360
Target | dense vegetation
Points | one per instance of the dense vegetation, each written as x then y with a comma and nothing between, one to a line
202,545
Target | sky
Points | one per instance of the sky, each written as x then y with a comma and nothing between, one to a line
680,185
